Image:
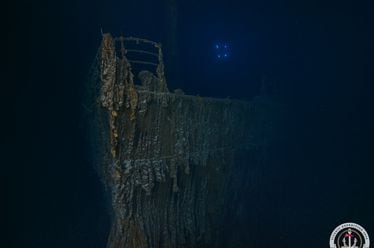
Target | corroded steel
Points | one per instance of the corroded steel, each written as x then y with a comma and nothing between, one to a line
173,163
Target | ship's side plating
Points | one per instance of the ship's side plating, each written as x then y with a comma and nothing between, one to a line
176,166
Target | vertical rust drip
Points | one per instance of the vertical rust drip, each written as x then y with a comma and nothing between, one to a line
175,161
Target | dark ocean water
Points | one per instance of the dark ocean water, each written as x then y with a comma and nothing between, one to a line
318,53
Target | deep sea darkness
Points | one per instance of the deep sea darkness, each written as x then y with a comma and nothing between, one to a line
319,53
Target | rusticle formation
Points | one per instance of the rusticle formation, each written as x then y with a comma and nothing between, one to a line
174,164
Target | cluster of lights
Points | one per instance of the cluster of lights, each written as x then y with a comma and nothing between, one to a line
222,50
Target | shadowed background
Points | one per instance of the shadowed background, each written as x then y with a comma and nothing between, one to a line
318,53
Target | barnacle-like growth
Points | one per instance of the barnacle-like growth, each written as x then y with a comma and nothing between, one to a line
174,159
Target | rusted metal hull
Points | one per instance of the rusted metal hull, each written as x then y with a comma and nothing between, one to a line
175,165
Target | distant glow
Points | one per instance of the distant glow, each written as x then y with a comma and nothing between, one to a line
222,50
